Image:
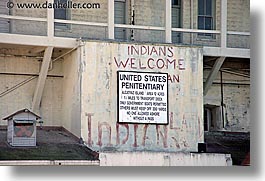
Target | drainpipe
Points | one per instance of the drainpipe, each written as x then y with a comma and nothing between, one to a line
222,98
132,19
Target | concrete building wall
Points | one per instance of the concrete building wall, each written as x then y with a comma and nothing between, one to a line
207,41
99,99
163,159
71,93
238,15
69,30
238,19
4,24
21,97
149,13
98,15
236,95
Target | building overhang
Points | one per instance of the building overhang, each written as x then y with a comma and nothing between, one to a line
42,41
226,52
68,43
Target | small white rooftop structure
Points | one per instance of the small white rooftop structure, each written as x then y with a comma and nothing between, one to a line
21,130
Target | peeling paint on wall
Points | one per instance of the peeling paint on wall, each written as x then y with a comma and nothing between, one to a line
99,94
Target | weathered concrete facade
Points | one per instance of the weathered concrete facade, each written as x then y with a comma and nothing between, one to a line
60,105
164,159
71,100
23,70
236,98
80,92
99,97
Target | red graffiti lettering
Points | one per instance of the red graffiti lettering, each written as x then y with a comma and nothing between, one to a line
141,65
181,64
144,136
121,63
176,142
133,63
135,135
148,63
171,122
173,78
160,63
118,133
164,136
100,133
89,119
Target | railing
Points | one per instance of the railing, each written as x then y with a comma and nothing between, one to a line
188,36
106,30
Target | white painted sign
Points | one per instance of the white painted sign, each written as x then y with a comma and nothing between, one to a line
142,97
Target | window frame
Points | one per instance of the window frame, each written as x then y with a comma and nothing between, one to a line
63,26
125,38
178,5
207,36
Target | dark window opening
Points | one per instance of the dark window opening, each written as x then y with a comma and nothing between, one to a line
23,124
206,13
212,118
176,20
175,2
119,18
61,13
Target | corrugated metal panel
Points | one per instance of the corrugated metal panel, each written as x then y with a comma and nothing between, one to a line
4,23
119,18
20,141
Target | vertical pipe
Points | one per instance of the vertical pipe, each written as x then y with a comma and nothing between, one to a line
132,19
223,23
168,22
50,20
222,98
111,19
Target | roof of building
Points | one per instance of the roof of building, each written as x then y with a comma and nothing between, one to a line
53,143
21,111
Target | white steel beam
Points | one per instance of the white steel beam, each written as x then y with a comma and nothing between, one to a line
50,20
110,19
168,22
217,65
11,17
143,27
80,22
226,52
31,40
42,78
223,23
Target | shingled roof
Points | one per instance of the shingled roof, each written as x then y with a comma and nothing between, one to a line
21,111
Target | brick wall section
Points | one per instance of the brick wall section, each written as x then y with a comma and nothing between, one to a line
150,13
238,15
